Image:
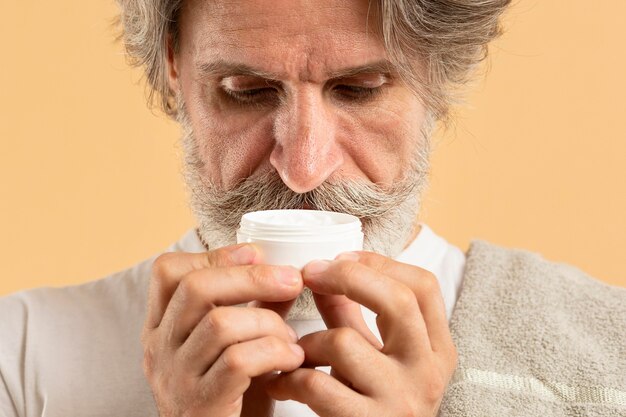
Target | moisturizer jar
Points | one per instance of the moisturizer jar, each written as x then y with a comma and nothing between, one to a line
296,237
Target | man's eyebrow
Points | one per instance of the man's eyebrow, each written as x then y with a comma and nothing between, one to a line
226,69
383,66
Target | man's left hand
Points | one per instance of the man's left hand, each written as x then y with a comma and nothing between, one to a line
407,376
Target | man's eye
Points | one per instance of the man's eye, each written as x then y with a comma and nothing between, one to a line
253,95
352,92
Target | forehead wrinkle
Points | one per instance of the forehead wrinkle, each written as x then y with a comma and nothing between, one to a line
243,19
259,35
302,47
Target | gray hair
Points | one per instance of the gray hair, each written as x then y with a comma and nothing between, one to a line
434,44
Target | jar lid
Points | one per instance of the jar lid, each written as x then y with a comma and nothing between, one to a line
273,224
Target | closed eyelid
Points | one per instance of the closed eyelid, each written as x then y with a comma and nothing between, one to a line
236,83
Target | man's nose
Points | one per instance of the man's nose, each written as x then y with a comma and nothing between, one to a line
306,151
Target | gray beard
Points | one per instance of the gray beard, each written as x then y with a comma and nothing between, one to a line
387,214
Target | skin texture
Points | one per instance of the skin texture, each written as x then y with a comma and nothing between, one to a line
305,125
407,376
311,117
193,337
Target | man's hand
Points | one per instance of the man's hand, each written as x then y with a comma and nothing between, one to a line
407,376
200,350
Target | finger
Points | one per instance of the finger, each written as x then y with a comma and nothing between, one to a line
256,399
427,292
324,394
225,326
399,319
340,311
230,375
169,268
201,290
348,354
281,308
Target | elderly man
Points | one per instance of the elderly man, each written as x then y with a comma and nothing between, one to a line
327,105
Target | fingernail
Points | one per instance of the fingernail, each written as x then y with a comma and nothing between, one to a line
296,349
292,333
348,256
316,267
287,275
243,255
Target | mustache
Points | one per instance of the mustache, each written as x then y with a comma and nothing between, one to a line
387,212
367,201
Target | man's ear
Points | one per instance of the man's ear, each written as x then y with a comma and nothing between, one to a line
172,66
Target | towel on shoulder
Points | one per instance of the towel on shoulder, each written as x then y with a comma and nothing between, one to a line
536,338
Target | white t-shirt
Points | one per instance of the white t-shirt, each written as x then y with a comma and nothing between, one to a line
76,351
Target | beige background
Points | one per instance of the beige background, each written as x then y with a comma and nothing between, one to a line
90,179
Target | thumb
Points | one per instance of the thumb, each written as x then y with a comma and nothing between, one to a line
340,311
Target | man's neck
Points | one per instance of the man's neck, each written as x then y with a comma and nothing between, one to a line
416,230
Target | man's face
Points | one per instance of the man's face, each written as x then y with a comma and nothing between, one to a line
299,90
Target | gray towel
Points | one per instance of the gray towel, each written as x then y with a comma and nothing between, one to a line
536,338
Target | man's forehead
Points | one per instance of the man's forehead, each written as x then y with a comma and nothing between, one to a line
304,39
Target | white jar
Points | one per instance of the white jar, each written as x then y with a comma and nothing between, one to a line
296,237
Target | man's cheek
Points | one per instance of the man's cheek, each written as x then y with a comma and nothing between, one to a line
379,147
237,149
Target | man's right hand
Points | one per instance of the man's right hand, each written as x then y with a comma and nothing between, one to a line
201,351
